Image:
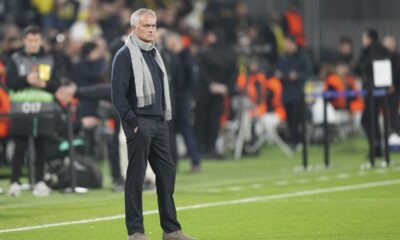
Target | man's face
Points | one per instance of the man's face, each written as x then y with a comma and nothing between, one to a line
289,46
342,69
365,40
146,29
345,48
390,44
32,43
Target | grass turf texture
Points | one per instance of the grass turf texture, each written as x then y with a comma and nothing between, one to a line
368,213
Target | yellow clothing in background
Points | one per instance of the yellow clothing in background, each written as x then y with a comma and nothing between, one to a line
43,6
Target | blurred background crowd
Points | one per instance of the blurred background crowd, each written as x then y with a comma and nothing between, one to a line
239,70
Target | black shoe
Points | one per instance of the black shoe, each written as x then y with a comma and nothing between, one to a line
194,170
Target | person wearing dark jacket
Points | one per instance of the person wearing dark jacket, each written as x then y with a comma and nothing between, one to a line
372,50
140,93
389,42
183,82
217,71
31,69
89,71
173,66
293,69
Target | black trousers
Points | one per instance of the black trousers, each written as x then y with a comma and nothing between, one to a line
114,156
183,125
394,112
369,118
294,112
17,162
209,109
150,142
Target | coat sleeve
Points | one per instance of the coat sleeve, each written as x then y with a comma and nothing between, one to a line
54,82
94,92
120,79
14,81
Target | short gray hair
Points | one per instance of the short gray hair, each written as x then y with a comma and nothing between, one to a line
138,13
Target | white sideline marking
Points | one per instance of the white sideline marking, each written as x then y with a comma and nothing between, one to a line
282,183
342,175
381,171
234,189
323,178
257,185
215,204
302,181
361,173
215,190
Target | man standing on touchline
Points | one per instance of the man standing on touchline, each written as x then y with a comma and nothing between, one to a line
140,93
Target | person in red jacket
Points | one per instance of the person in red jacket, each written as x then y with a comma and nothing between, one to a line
292,23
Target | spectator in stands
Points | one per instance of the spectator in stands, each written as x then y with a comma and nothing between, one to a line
390,43
268,34
217,75
372,50
292,22
242,19
85,30
293,69
110,20
57,45
345,52
65,13
11,42
45,9
31,68
220,15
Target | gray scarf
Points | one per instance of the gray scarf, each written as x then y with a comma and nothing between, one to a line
144,85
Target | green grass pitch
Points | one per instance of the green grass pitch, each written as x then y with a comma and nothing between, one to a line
257,198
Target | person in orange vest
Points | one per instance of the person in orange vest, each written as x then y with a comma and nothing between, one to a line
292,23
252,86
340,80
265,93
273,90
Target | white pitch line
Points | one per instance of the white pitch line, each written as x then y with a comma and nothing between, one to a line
215,190
302,181
342,176
234,189
323,178
215,204
282,183
257,185
361,173
381,171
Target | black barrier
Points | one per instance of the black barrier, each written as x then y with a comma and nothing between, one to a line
31,144
333,94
